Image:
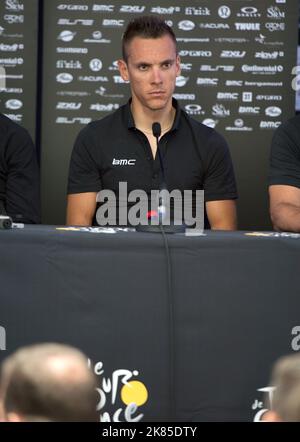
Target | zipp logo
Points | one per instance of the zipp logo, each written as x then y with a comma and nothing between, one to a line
2,339
123,162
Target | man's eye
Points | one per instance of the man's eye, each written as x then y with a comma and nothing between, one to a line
166,65
143,67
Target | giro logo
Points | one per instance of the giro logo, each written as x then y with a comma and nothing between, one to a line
2,339
73,7
186,25
66,36
224,12
64,78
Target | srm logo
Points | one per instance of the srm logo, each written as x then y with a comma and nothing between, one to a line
2,339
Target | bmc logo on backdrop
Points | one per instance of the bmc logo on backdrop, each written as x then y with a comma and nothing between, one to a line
2,339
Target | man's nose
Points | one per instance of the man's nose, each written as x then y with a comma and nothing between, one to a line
156,75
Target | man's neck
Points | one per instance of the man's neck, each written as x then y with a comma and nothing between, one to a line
144,118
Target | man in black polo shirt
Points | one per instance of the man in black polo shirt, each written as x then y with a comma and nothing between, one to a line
19,174
284,177
122,148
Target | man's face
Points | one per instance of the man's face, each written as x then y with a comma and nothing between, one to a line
152,67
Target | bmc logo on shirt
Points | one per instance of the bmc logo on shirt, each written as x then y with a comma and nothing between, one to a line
123,162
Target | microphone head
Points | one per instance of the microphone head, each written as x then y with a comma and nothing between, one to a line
156,129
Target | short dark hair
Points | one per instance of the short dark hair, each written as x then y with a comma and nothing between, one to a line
147,26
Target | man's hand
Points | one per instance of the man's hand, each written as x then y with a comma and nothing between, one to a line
222,214
81,209
285,207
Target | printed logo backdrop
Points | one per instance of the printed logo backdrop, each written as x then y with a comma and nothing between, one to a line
18,61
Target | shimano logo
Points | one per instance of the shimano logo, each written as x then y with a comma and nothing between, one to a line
72,50
123,162
207,81
68,106
232,54
273,111
185,53
11,61
227,96
2,339
132,9
247,26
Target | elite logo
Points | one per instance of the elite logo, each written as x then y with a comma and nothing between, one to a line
123,162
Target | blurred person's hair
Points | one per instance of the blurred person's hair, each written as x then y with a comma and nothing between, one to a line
49,382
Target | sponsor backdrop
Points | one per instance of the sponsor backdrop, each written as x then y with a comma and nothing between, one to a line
18,61
237,76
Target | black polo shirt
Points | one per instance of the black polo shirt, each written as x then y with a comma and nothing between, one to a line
113,150
19,174
285,154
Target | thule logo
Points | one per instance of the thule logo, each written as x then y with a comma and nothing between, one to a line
123,162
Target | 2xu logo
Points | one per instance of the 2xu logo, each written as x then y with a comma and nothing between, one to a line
2,339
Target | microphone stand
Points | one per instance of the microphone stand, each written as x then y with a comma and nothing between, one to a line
171,228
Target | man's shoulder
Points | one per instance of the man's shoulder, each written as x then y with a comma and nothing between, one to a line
109,122
206,135
9,126
292,125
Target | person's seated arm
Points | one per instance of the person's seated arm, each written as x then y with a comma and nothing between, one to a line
222,215
285,207
81,209
84,180
284,177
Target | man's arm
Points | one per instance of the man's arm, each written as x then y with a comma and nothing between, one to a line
285,207
222,214
81,208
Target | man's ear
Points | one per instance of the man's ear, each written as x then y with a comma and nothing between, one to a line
178,68
122,65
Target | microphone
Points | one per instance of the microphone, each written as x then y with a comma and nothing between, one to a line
162,205
5,222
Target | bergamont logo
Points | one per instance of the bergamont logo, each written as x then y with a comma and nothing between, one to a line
2,339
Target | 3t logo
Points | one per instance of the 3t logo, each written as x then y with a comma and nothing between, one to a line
2,339
296,340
